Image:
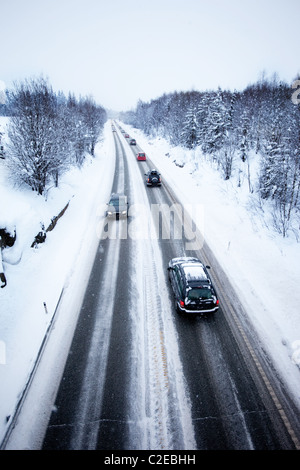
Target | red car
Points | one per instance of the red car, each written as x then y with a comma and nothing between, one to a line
126,135
141,156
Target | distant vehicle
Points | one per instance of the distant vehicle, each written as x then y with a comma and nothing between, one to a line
132,142
126,135
153,178
117,206
122,130
141,156
192,286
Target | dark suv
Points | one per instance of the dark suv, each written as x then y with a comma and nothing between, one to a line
153,178
192,286
117,206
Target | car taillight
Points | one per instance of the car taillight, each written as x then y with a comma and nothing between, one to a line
181,303
217,303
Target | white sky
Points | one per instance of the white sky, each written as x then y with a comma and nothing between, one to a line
120,51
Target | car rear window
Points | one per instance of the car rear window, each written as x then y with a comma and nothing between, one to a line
118,201
199,293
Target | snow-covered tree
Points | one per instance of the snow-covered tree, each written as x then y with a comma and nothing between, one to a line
215,124
48,133
243,136
273,150
32,153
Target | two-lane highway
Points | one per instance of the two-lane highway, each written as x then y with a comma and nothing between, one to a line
141,376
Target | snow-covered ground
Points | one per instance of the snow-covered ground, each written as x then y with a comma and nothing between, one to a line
262,266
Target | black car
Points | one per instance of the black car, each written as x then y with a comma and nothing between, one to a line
132,142
153,178
192,286
117,206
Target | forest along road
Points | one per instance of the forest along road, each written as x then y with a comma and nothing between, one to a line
141,376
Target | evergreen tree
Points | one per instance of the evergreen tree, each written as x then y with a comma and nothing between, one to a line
273,152
189,134
244,143
215,125
202,110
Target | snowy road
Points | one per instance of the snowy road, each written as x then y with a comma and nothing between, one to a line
140,376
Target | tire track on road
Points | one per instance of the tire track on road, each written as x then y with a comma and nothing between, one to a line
165,418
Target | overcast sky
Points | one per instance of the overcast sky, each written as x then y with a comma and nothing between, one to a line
120,51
